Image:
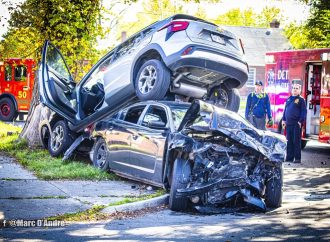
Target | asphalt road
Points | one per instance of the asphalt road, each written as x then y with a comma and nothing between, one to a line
304,215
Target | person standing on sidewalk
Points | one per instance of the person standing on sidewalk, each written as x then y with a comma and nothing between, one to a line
257,107
294,116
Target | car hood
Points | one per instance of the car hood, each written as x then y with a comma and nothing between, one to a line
204,117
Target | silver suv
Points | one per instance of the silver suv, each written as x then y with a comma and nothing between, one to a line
181,55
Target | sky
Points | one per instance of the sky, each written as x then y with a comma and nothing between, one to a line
291,9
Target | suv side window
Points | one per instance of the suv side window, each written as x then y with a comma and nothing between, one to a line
20,73
155,113
147,32
127,46
133,114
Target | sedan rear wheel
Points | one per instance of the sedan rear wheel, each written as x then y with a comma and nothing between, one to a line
152,81
100,155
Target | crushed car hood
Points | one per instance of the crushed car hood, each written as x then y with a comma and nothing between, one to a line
230,160
202,116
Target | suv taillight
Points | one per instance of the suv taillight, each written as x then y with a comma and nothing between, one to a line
175,26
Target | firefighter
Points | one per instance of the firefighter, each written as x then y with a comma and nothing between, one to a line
294,116
258,107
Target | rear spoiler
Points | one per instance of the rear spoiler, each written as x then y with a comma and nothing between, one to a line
189,17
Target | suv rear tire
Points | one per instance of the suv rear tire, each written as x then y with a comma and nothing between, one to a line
225,98
152,81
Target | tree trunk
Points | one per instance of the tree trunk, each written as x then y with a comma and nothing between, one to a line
36,114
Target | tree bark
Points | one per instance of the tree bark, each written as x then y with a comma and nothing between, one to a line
36,114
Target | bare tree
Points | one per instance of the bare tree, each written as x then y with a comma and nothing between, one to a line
36,114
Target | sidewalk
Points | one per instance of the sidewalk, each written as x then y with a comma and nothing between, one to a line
24,196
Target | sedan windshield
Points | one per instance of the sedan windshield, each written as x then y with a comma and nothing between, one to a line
178,114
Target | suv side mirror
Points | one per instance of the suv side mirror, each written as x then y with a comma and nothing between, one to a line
156,124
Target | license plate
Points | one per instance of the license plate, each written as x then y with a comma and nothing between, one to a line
218,39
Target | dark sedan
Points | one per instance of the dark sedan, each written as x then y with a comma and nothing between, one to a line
203,154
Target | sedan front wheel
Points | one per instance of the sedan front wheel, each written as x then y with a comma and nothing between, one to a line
180,177
274,186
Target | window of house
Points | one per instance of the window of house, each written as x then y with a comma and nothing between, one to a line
251,77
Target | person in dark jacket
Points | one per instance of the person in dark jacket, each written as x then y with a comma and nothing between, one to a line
257,107
294,116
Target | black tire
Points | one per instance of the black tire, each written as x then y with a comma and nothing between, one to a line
8,111
44,136
226,98
157,86
303,144
274,192
180,177
60,139
100,155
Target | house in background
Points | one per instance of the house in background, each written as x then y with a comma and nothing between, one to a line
256,42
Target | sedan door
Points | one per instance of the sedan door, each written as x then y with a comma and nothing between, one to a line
147,144
119,138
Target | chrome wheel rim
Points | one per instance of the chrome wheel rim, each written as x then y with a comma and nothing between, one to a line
57,138
147,79
101,155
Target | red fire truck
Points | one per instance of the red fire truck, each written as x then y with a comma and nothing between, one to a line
16,86
310,68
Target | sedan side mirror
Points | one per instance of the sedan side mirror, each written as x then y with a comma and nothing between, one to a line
156,124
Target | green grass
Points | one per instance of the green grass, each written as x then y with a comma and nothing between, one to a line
43,165
4,128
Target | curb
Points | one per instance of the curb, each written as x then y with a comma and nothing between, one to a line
131,207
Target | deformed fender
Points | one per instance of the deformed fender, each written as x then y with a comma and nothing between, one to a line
175,142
